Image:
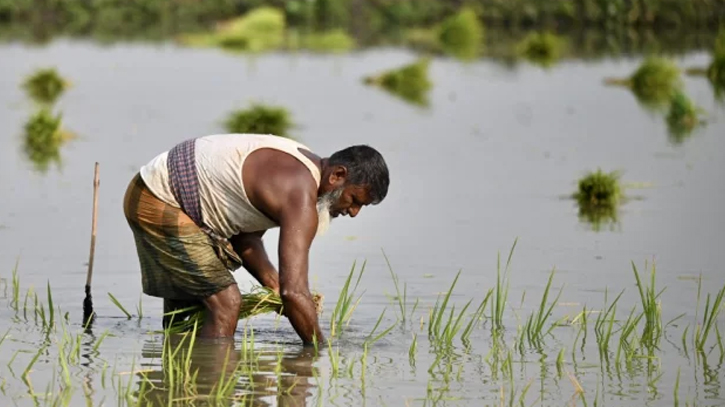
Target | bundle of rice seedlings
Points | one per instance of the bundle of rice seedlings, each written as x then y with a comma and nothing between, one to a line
260,119
258,30
541,48
259,301
44,137
683,117
653,83
45,85
599,188
409,82
334,41
716,73
461,34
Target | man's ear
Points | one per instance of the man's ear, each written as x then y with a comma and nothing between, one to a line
338,176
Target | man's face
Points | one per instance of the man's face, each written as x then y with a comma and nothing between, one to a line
345,200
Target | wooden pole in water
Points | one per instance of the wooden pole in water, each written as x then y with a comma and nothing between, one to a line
88,301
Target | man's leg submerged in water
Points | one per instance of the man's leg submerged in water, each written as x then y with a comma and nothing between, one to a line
222,312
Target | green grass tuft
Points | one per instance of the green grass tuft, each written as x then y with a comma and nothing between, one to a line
543,49
45,85
461,34
409,82
43,138
260,119
683,117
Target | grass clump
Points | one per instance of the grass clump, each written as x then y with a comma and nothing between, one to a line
543,49
409,82
461,34
260,119
598,196
259,301
683,117
716,73
259,30
45,85
653,83
43,138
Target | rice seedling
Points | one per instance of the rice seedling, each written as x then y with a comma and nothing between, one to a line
260,29
118,304
535,324
401,298
412,351
682,118
461,35
543,49
443,323
260,119
410,82
346,304
502,290
676,389
372,339
45,85
653,83
475,318
709,319
628,342
604,324
652,308
16,288
43,138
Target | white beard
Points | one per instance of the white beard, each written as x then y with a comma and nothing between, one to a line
323,211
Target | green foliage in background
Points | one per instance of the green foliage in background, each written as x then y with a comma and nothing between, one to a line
260,119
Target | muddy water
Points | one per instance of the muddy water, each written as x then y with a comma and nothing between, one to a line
491,160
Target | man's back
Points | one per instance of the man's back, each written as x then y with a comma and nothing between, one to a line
219,160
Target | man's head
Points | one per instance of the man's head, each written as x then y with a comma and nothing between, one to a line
352,178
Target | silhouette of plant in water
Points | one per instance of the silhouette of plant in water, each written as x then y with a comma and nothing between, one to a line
43,139
461,34
598,196
45,85
260,119
410,82
653,83
543,49
682,118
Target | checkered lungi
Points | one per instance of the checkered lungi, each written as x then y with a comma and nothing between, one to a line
179,259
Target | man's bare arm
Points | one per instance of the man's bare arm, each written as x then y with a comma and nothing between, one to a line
298,225
250,248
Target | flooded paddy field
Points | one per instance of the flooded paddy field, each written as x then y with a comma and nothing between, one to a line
490,161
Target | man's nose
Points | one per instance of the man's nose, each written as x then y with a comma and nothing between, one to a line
353,211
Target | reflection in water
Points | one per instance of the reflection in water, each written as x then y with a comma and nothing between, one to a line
43,139
682,118
598,196
216,372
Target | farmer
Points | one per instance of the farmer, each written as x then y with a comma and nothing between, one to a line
199,211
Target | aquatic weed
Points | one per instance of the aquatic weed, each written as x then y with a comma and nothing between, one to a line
542,48
260,119
45,85
683,117
461,34
410,82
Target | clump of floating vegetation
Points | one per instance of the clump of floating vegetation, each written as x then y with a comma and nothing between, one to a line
44,137
461,34
599,195
260,119
329,41
653,83
45,85
259,301
259,30
683,117
410,82
541,48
